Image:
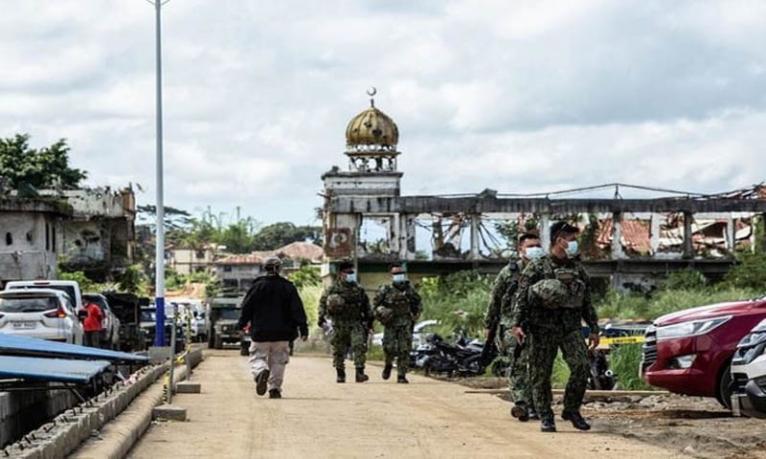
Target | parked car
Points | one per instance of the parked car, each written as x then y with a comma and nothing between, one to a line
748,374
71,288
40,313
147,317
420,333
110,335
690,352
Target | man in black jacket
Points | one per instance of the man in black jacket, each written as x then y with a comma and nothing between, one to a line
275,312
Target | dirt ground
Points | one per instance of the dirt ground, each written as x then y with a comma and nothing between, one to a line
697,427
319,418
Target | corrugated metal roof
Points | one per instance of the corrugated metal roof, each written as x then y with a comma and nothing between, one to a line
19,345
50,370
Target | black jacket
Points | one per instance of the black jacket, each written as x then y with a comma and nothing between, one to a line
274,309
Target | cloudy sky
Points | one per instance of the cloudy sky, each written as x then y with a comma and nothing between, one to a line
518,96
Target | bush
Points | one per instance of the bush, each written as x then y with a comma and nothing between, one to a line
458,301
624,361
749,273
687,279
310,295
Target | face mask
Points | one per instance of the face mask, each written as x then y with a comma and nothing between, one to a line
533,253
572,248
351,278
400,278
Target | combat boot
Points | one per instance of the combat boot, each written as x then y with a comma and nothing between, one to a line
547,424
520,411
387,371
402,379
576,419
360,376
341,375
275,393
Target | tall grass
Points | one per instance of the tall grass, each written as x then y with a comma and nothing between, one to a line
624,361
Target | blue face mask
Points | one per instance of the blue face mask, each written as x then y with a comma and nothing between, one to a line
400,278
572,249
351,278
534,253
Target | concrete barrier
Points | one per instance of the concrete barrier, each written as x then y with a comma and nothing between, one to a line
69,430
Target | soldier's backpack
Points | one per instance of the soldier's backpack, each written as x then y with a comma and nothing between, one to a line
335,304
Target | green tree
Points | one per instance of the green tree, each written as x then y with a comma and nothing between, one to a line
133,280
276,235
47,167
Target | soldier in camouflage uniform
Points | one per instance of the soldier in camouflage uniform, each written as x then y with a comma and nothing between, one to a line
498,323
552,302
397,307
348,306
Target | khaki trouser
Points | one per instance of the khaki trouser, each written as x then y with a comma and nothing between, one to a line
272,356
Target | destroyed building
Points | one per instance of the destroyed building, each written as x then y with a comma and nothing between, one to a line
99,238
627,240
29,238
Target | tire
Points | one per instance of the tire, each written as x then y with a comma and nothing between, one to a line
723,391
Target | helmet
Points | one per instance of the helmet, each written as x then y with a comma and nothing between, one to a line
335,303
384,314
551,292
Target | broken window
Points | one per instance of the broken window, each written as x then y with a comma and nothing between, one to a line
375,235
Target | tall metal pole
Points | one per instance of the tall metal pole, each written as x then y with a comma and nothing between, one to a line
159,261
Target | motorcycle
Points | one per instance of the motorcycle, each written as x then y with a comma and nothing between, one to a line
463,358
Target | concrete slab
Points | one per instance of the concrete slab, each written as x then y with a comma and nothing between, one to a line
169,412
188,387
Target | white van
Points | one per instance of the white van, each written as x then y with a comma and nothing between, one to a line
71,288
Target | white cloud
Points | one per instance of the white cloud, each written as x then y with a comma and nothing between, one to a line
517,96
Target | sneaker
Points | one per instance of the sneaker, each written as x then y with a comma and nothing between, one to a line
520,412
547,424
261,381
386,371
576,419
275,393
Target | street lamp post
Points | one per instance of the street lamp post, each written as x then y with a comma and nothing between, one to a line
159,260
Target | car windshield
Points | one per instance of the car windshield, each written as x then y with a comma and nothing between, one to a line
229,314
28,304
147,315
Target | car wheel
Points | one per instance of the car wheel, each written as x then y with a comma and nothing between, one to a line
723,394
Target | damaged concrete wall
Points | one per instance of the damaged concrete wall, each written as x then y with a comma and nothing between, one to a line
27,245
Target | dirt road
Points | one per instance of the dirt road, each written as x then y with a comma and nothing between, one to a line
319,418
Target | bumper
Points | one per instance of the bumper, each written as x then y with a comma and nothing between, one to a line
751,403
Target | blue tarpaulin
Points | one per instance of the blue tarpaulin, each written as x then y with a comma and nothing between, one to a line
19,345
50,370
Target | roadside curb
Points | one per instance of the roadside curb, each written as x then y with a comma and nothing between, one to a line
70,429
118,437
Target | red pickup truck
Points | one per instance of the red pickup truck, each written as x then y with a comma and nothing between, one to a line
689,352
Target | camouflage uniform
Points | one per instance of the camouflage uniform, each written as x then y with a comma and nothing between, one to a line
348,306
518,370
553,300
396,307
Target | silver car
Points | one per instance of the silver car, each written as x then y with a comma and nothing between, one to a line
40,313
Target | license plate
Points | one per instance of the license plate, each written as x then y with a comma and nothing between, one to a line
23,325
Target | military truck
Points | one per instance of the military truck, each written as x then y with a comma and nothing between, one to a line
223,316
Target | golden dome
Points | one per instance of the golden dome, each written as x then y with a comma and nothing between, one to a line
372,130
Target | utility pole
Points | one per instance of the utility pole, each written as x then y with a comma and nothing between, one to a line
159,261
